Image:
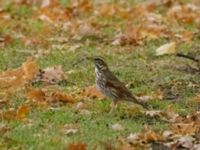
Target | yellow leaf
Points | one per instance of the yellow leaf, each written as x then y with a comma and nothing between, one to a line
169,48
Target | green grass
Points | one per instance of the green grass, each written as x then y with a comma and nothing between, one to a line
137,65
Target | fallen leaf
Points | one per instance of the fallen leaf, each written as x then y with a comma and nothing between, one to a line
4,100
132,36
69,129
167,134
117,127
77,146
169,115
153,113
184,128
133,137
187,13
169,48
30,69
5,40
52,75
4,128
159,94
17,78
185,141
80,105
63,97
92,92
185,36
36,95
150,135
9,115
22,112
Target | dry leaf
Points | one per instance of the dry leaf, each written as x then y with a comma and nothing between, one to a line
132,36
12,114
36,95
30,69
186,141
70,129
133,137
92,92
184,128
4,100
169,115
63,97
150,135
169,48
3,128
17,78
185,36
9,115
22,112
159,94
188,13
5,40
117,127
153,113
52,75
77,146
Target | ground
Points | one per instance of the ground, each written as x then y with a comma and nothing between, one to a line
135,64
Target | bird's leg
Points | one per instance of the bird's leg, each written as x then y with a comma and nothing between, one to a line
113,106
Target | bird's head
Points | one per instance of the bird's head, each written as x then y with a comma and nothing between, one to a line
100,63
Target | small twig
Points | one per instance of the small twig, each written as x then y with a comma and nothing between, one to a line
187,56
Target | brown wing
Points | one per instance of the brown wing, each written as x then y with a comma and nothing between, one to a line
118,88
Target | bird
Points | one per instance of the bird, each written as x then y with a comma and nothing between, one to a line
110,86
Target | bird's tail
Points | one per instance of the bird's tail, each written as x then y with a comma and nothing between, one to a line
139,100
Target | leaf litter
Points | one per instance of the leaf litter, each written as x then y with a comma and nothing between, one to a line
146,24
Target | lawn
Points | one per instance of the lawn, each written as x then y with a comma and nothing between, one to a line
66,33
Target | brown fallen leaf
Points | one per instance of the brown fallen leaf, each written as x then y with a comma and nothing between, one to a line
4,128
22,112
13,114
17,78
51,75
9,115
4,100
132,36
77,146
63,97
158,94
92,92
150,135
184,128
185,36
36,95
169,115
5,40
187,13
